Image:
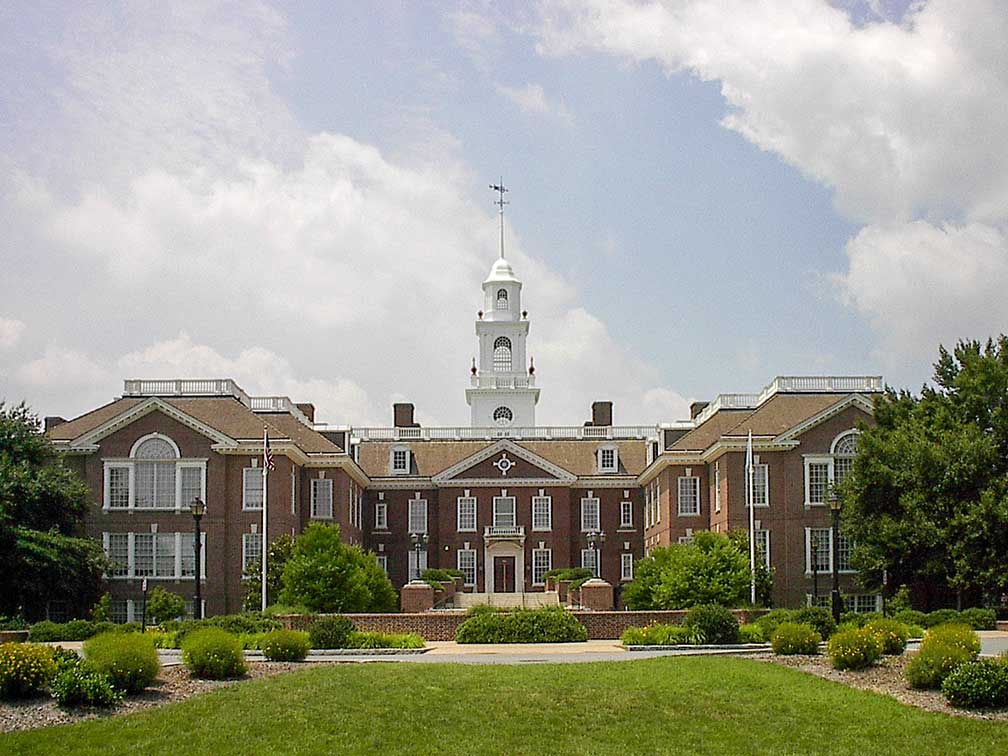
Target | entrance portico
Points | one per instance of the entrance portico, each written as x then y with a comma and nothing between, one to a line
504,560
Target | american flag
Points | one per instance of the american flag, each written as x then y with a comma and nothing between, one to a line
267,452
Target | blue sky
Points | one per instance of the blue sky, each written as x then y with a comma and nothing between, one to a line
704,195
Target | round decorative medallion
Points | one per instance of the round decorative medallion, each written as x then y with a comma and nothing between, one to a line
504,464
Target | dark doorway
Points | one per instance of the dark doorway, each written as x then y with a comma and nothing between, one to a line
504,574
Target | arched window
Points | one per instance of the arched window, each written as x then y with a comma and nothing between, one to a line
155,473
502,354
503,416
844,451
502,299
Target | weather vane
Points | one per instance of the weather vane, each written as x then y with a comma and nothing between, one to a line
500,202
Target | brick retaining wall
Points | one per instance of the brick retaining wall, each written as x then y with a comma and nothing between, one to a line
441,625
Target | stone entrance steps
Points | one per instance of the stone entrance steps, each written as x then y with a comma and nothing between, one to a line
509,600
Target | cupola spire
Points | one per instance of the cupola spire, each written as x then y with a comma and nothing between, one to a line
500,202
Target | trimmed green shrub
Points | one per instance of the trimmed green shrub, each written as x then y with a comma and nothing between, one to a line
285,645
129,659
979,619
83,685
251,641
164,638
929,667
860,619
25,668
816,617
213,653
717,623
854,649
751,633
330,632
915,631
941,617
953,634
570,573
236,624
435,576
910,617
13,623
384,640
977,684
278,610
793,638
522,626
770,621
65,658
661,635
892,635
75,630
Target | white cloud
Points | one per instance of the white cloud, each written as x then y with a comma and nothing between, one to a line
903,119
533,100
10,332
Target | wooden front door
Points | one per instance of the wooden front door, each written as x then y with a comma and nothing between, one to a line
504,574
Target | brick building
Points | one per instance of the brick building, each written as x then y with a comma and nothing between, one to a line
502,499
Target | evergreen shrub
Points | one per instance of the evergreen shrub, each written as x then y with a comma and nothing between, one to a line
793,638
891,634
977,684
910,617
979,619
661,635
83,685
751,633
384,640
213,653
522,626
717,623
816,617
941,617
129,659
285,645
330,632
854,649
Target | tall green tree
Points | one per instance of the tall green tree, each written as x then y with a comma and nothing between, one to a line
326,575
280,550
42,507
927,498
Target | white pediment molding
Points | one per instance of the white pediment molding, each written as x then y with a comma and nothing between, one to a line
134,413
854,400
504,446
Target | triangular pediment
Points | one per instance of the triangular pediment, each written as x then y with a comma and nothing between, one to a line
854,400
504,461
134,413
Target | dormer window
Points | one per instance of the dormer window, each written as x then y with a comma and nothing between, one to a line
502,299
608,459
399,460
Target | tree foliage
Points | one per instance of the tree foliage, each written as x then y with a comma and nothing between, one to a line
927,499
327,575
163,605
276,560
42,507
712,569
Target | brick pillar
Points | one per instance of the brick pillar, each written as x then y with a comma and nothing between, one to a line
597,595
416,597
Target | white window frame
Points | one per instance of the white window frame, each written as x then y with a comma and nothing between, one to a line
411,562
382,562
626,566
539,570
761,488
249,553
854,604
717,486
587,519
317,486
500,509
466,501
818,459
469,554
626,514
829,550
381,515
589,560
417,507
614,465
176,539
545,504
393,468
764,534
256,472
685,480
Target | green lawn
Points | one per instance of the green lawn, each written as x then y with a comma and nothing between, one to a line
687,705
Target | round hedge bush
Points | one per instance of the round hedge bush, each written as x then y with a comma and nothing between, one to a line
941,617
854,649
911,617
25,668
83,685
979,619
943,649
977,685
213,653
769,621
752,633
816,617
891,634
285,645
129,659
522,626
330,632
717,623
792,638
955,635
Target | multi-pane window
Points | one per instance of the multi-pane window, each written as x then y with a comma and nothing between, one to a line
816,482
154,478
763,547
689,495
381,515
400,461
251,550
626,514
466,561
502,299
589,514
383,562
118,495
818,550
466,519
863,603
321,499
190,484
188,560
608,459
589,560
119,611
418,515
844,548
822,600
761,493
504,512
164,555
414,571
626,566
844,451
717,486
542,562
155,485
502,354
542,513
252,488
143,554
118,553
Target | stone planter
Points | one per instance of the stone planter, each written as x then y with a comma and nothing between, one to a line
13,636
563,587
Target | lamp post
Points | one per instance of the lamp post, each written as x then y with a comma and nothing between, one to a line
197,508
835,504
595,540
419,541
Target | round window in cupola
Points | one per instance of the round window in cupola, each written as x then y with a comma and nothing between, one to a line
503,416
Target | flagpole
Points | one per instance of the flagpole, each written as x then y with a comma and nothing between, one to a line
752,521
265,539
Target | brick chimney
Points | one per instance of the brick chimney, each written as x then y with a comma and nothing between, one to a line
52,421
402,415
308,408
601,413
696,408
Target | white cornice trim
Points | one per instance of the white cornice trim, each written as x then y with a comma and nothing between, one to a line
504,445
154,404
400,483
858,400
